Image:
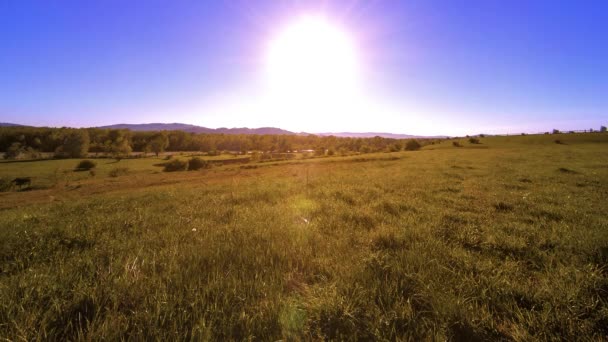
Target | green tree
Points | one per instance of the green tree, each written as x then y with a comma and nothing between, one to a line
603,129
158,143
396,147
412,145
121,148
14,151
75,144
119,144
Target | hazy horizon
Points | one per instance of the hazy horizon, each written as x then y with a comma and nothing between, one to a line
419,68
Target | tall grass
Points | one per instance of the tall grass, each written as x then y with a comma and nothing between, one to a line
441,244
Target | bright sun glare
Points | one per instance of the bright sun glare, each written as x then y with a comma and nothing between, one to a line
312,66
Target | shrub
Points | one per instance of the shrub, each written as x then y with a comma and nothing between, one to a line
456,144
412,145
119,171
14,151
5,184
559,142
197,163
168,157
175,165
474,140
85,165
395,147
564,170
502,206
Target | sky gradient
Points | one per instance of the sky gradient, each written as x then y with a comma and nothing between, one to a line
426,67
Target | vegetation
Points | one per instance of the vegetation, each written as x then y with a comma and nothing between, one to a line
76,143
175,165
158,143
85,165
119,171
197,163
504,242
412,145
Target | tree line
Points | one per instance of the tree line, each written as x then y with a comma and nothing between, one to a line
30,142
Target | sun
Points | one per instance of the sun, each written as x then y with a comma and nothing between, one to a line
312,63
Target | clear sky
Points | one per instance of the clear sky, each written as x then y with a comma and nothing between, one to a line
422,67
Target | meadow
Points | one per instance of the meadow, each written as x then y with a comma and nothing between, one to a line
502,240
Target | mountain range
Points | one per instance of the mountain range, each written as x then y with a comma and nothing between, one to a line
197,129
242,130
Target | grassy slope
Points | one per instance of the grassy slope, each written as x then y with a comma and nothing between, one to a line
504,240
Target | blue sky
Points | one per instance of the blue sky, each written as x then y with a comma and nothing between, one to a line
426,67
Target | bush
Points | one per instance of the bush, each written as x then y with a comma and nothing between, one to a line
365,149
119,171
14,151
474,141
197,163
394,147
456,144
168,157
5,184
412,145
175,165
85,165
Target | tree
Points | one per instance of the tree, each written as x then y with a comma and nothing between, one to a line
119,144
396,147
412,145
121,148
158,144
603,129
14,151
75,144
555,131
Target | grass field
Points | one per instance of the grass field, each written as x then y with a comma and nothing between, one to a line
506,240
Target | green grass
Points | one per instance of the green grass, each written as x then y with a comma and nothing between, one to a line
507,242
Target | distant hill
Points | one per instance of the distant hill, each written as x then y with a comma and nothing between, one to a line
6,124
244,130
382,135
198,129
238,130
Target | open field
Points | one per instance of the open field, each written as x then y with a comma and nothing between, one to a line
507,240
